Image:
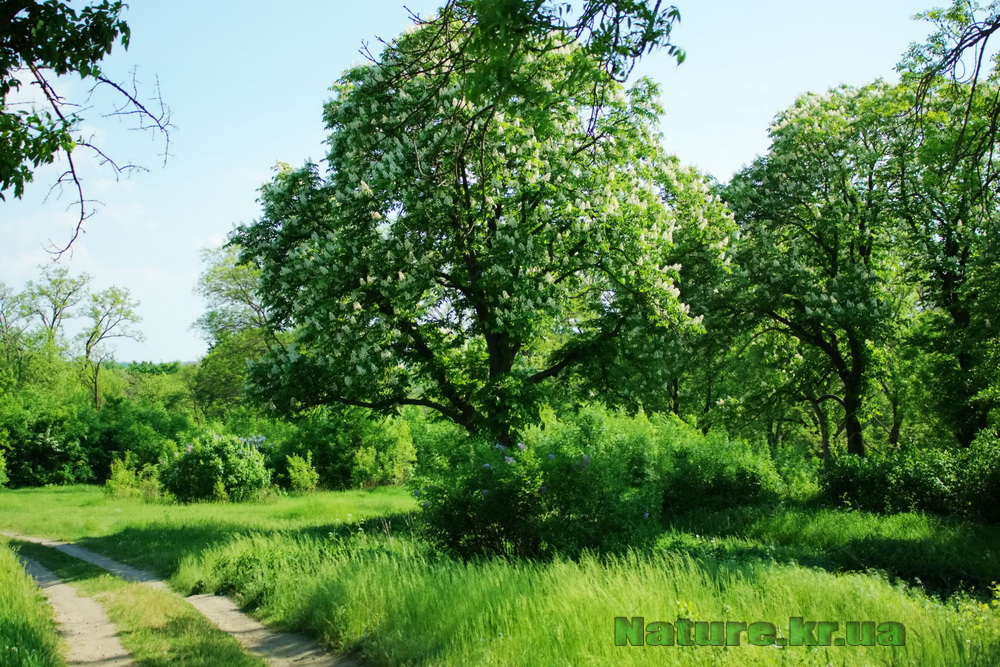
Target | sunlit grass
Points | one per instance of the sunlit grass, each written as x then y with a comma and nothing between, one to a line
28,633
155,536
395,602
942,554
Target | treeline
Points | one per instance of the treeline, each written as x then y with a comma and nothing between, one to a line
68,411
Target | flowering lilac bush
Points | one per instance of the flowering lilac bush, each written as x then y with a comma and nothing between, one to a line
216,467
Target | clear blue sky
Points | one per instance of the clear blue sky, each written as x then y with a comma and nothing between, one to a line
246,82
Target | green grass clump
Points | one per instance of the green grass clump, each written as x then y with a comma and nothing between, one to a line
28,633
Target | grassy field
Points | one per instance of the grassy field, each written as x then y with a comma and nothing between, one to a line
347,568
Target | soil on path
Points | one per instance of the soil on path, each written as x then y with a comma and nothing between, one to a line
276,648
84,626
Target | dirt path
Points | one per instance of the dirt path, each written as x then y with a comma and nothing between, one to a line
278,649
82,622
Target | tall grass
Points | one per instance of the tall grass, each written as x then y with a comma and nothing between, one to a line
28,634
155,536
944,555
394,601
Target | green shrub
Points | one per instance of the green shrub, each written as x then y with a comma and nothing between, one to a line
216,467
350,447
123,481
939,481
979,475
127,480
925,480
857,481
48,457
3,470
148,432
716,472
385,455
302,475
594,480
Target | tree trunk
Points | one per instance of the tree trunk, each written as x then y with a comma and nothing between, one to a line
821,422
852,423
97,385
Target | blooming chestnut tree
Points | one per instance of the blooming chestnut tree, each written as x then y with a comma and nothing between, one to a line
462,255
817,259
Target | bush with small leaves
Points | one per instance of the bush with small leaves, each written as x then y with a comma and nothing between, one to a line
940,481
128,480
715,472
302,476
979,477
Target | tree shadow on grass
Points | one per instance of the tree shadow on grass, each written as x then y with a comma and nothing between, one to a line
160,546
960,556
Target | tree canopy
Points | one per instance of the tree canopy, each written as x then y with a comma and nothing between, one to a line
43,40
460,252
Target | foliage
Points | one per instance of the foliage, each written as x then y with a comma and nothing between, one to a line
43,40
504,32
52,298
153,367
148,432
386,454
594,480
817,260
717,472
216,466
3,470
48,35
350,447
980,471
462,255
128,480
941,481
302,476
221,377
947,198
235,326
110,315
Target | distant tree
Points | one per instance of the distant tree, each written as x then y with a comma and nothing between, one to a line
236,327
14,334
111,314
232,291
817,257
52,298
461,253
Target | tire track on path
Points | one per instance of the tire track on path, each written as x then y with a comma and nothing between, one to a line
90,636
279,649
